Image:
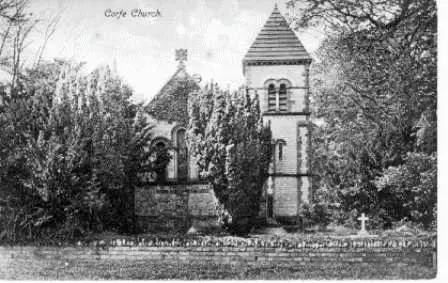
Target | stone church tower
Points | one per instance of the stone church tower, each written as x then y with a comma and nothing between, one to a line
276,67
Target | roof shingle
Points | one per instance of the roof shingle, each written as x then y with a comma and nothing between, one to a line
276,42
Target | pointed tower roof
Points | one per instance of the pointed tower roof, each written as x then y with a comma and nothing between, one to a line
276,42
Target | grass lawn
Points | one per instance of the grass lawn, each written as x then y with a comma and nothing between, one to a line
28,269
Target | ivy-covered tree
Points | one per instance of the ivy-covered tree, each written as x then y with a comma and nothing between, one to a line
233,147
374,98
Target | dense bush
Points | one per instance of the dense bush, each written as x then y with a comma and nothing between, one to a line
315,214
71,146
374,101
233,147
412,184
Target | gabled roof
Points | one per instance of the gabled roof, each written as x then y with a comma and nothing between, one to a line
276,42
171,102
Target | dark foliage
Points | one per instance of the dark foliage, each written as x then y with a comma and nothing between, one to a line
72,147
233,147
374,100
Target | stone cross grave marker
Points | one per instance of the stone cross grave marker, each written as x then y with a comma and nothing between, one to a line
363,220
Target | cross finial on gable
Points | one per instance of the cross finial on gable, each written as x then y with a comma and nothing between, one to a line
181,56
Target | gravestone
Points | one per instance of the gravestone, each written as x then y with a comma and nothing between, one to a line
363,231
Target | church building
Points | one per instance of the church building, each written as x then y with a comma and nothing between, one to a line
168,112
276,67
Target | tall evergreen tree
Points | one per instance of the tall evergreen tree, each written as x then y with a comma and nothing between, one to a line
79,147
233,147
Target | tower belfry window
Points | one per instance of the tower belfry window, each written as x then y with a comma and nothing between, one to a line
272,99
282,97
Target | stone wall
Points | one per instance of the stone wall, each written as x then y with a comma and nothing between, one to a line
285,197
175,208
224,255
240,251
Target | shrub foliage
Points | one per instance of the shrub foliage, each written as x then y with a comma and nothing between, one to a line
374,101
71,147
233,148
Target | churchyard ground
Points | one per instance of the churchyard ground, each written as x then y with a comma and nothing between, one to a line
31,269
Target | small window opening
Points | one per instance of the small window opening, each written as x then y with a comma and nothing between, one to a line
280,151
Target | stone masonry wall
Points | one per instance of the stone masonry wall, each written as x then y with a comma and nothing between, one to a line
174,207
324,252
285,197
223,255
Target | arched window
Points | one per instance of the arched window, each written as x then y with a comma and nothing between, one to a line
272,100
280,151
182,155
283,98
160,145
277,94
160,160
281,144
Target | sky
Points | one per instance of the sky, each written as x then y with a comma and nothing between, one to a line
217,34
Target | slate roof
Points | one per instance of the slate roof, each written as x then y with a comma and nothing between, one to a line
276,42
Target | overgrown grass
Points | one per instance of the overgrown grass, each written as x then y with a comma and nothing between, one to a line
57,269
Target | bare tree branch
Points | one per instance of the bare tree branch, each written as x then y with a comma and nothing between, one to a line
49,31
